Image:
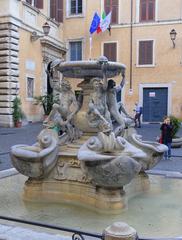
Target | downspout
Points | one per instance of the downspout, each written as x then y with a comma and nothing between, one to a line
131,44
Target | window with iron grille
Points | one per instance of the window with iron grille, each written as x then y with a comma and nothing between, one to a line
36,3
112,6
110,51
30,87
76,7
147,10
75,49
145,52
56,10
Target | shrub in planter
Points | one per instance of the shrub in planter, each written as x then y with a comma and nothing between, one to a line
17,112
46,101
176,140
176,123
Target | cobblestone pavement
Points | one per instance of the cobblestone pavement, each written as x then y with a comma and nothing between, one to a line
28,134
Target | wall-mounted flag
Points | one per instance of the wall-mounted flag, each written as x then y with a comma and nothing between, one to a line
95,23
105,22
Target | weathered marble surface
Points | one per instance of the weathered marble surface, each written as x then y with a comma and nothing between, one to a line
38,160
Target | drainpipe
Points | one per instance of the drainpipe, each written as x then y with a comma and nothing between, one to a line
131,44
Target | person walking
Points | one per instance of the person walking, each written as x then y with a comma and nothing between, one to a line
166,136
138,113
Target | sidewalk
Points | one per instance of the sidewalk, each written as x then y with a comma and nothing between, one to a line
28,134
150,132
12,136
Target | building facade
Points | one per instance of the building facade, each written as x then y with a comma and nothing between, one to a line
25,52
139,38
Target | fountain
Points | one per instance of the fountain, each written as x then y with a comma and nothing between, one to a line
91,162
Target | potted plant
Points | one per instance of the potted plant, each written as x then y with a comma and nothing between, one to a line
46,101
17,112
176,140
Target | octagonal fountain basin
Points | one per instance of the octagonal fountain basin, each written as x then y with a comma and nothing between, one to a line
149,212
89,69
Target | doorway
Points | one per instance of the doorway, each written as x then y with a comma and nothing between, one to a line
155,104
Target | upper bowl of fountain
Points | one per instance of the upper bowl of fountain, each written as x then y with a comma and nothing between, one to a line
90,68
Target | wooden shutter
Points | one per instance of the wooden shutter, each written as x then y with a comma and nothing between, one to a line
143,12
53,9
146,52
110,51
151,10
38,4
59,17
112,5
147,10
114,9
107,6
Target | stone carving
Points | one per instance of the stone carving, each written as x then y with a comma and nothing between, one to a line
98,114
102,160
63,112
38,160
118,113
109,160
71,170
153,151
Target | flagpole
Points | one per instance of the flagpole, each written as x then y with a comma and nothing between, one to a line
90,50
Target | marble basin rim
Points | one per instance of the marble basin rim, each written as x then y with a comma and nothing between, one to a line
89,69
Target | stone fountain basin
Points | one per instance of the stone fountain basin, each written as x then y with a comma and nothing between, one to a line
148,211
89,69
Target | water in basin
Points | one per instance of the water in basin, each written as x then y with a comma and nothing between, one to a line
154,213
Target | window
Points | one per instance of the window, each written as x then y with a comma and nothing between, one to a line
30,87
112,5
110,51
75,7
36,3
147,10
75,50
145,52
56,10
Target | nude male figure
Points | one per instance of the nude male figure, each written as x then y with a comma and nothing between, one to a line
66,108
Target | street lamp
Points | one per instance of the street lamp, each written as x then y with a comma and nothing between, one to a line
34,35
173,34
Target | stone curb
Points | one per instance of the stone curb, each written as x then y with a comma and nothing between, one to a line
8,173
167,174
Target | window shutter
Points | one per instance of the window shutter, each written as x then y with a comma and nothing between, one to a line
114,10
110,51
106,50
112,5
39,4
147,10
149,52
141,53
59,11
107,6
151,10
145,52
53,9
143,10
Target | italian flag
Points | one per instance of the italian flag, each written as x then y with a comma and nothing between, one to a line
104,23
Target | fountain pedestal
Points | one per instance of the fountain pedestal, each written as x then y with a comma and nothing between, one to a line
68,184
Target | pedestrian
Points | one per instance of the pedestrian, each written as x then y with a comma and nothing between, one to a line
166,136
138,113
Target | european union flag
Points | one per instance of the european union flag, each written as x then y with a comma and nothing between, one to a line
95,23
